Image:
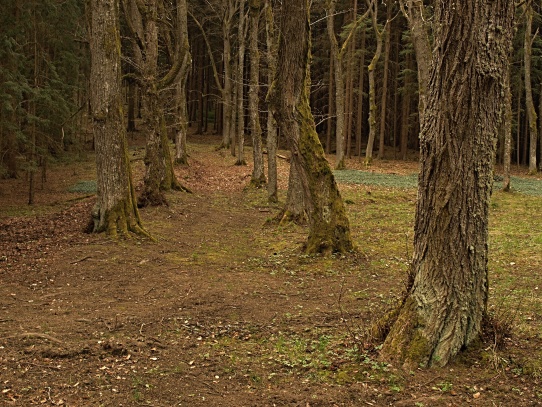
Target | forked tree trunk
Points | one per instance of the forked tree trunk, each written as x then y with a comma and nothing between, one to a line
115,210
443,310
329,229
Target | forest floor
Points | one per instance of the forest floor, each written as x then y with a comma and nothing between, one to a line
223,310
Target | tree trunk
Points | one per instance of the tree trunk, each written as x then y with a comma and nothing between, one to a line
294,209
330,108
507,130
272,186
529,102
329,229
384,100
181,153
419,31
373,7
405,110
349,110
258,175
115,209
361,88
336,57
443,310
240,133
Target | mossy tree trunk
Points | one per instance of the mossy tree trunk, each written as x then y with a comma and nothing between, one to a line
115,210
443,310
329,229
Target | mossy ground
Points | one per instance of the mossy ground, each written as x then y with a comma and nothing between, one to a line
224,310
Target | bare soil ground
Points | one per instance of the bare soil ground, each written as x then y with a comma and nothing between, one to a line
221,311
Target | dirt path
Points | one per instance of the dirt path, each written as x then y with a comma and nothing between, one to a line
221,311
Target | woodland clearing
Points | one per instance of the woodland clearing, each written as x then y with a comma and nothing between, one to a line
223,310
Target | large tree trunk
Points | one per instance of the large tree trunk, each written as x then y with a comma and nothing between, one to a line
258,175
115,208
443,310
329,229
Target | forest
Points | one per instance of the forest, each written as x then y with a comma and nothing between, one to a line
265,202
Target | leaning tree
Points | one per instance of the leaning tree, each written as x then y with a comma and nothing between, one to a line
329,229
443,309
116,208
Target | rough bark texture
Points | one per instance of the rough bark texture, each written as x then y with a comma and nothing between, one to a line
329,229
258,175
443,310
115,208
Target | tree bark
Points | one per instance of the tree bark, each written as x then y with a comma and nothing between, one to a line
329,229
115,209
443,310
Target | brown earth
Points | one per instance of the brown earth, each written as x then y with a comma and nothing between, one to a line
221,311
